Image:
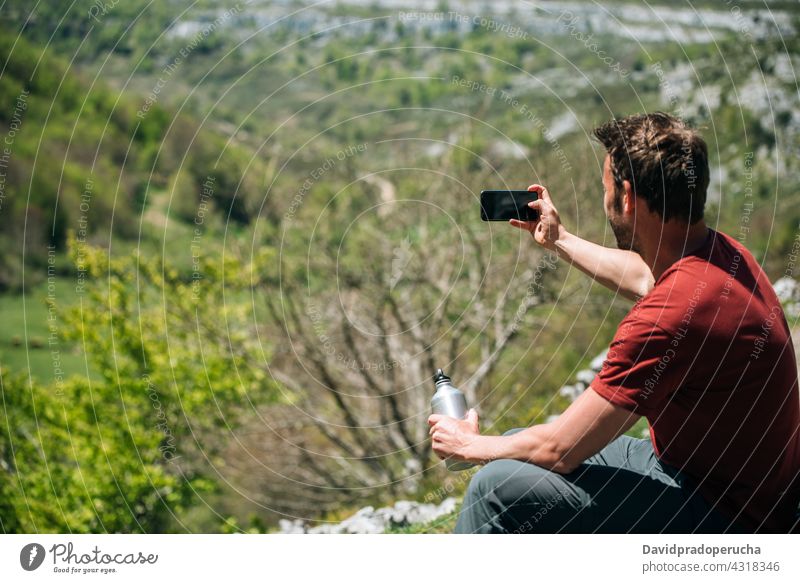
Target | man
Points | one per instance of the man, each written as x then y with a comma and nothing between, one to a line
705,355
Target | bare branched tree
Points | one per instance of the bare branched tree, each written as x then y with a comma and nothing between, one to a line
360,336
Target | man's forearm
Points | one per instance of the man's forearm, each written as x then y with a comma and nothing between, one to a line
621,271
589,424
534,445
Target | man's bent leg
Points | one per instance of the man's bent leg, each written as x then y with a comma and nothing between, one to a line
621,489
510,496
507,496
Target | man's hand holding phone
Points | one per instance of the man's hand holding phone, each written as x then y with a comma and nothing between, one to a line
623,272
548,228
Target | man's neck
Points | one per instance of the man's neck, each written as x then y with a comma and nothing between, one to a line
671,242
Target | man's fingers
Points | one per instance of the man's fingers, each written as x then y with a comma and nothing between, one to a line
434,419
536,204
526,225
543,192
472,417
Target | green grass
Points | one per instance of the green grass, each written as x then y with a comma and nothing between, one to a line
640,430
25,333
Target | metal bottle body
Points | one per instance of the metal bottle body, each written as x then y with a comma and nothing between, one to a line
451,402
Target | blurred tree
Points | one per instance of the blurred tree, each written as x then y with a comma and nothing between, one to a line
412,294
132,451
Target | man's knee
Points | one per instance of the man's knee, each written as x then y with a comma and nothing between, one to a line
525,497
490,476
510,482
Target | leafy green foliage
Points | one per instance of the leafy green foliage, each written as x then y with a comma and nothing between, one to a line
133,450
178,353
85,158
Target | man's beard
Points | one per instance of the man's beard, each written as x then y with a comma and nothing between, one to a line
624,235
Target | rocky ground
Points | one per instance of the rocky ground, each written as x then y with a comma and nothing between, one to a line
368,520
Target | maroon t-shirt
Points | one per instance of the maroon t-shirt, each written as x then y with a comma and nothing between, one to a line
708,358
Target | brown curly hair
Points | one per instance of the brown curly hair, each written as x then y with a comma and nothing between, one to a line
664,159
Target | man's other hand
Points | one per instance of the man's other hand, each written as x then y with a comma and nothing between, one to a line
453,438
548,228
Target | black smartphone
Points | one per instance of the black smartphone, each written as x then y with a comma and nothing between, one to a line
502,205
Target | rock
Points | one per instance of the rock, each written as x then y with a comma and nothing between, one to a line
413,465
292,526
447,507
585,376
597,362
787,289
326,529
365,521
370,521
788,292
571,392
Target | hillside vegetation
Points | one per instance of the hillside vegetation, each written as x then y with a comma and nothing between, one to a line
239,238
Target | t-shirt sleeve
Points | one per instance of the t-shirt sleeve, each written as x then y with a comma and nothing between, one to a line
642,368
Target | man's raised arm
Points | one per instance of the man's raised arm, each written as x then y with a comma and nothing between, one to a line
624,272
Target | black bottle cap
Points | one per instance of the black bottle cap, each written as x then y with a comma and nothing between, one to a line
440,377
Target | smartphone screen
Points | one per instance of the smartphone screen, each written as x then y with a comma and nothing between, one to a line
502,205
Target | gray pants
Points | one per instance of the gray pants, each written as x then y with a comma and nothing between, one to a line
623,488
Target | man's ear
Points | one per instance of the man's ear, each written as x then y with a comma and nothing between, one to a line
628,198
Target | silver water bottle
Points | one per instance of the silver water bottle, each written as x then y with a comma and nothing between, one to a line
451,402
